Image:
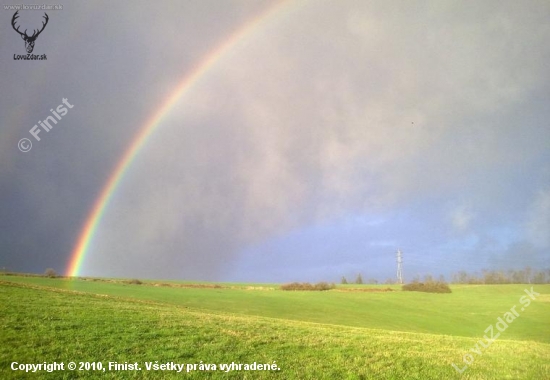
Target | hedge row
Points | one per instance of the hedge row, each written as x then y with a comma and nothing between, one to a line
429,287
308,286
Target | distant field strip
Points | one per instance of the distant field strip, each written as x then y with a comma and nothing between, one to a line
43,324
465,312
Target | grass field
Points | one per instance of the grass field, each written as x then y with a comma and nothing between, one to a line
310,335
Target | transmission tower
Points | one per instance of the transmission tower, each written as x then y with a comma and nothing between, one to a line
399,267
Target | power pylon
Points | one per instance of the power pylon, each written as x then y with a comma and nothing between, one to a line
399,267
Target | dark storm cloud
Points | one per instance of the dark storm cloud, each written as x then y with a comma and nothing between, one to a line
114,63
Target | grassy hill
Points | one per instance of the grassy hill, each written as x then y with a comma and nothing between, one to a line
310,335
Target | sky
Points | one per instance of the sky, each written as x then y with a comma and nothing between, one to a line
322,137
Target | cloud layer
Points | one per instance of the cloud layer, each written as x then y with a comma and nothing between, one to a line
421,124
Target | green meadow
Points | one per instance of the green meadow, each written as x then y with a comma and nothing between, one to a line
350,332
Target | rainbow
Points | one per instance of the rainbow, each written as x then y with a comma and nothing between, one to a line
86,235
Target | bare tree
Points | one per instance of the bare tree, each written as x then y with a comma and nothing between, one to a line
50,273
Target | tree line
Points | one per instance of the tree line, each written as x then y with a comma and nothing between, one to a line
526,275
522,276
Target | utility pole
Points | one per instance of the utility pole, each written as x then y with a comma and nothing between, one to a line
399,267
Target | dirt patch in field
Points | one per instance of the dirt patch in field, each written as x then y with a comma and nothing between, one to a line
195,286
365,290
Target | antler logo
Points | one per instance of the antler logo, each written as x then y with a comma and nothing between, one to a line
29,40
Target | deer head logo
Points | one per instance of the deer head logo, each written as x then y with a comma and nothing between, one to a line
29,40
